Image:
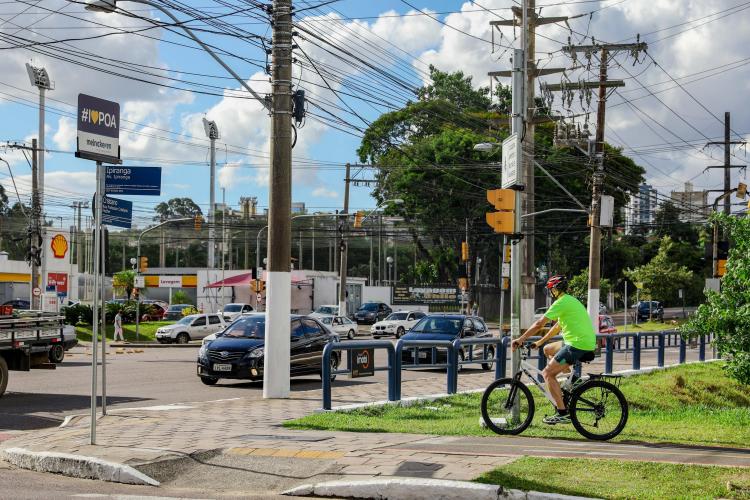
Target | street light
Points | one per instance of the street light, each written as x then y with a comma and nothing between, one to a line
486,147
212,132
389,260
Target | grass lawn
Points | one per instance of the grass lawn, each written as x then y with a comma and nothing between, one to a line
146,331
651,326
692,404
615,479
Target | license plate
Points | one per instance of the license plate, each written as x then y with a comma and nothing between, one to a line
222,368
422,355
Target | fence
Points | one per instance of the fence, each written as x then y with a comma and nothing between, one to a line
495,351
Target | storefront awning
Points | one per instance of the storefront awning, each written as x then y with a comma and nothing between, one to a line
239,280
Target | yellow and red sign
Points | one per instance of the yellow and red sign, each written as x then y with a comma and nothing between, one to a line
59,246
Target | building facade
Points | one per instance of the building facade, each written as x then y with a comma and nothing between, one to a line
640,213
693,205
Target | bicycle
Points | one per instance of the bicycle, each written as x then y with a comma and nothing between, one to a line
594,405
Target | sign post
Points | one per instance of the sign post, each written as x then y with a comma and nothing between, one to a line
98,139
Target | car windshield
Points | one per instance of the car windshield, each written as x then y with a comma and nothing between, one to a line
399,316
186,320
252,327
177,307
369,307
231,308
326,321
325,310
448,326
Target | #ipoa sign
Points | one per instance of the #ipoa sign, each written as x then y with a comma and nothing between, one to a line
98,129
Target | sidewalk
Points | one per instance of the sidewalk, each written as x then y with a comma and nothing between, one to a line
162,441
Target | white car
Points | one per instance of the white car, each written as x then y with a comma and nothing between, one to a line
192,327
340,325
232,311
325,310
397,324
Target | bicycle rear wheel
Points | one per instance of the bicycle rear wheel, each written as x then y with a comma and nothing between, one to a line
598,410
507,406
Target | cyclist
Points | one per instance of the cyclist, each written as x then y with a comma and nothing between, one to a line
579,340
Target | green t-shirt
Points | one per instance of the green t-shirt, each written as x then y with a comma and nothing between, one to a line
577,330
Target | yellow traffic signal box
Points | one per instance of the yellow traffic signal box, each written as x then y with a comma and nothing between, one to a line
358,219
143,264
198,222
721,268
503,200
464,251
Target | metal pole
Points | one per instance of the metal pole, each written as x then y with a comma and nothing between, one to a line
278,291
344,221
101,299
299,250
625,314
312,250
516,264
727,165
40,175
502,282
95,334
212,210
35,223
380,247
526,163
138,300
370,238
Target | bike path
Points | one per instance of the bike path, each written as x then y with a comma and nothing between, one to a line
556,448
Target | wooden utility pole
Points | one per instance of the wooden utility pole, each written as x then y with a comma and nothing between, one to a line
278,287
35,235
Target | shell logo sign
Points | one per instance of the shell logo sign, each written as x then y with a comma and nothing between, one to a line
59,246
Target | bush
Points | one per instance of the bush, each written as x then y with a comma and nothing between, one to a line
78,313
126,309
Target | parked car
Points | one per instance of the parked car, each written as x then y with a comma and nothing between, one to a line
192,327
397,324
174,311
372,312
646,310
237,352
69,340
325,310
234,310
606,326
155,311
340,325
18,304
448,327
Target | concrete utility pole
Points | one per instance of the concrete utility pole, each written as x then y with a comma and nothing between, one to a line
212,132
516,252
344,226
279,280
727,143
35,224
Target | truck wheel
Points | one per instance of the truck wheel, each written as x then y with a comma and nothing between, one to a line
183,338
57,353
3,375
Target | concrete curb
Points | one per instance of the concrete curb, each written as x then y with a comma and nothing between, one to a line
75,466
142,345
407,488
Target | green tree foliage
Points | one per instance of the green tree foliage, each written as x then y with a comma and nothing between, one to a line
660,278
14,224
180,297
124,281
668,223
176,207
727,313
579,287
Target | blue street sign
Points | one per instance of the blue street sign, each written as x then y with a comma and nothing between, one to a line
116,212
145,181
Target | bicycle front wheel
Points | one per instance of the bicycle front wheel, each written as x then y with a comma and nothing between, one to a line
598,410
507,406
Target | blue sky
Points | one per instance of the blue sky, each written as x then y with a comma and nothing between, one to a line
708,41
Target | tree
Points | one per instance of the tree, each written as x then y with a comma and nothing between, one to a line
668,223
726,313
125,281
660,278
176,207
579,287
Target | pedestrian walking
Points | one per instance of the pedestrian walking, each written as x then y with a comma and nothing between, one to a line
474,309
118,326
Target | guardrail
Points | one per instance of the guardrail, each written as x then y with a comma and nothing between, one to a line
393,374
451,362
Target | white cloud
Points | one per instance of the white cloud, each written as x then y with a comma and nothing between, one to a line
324,192
65,137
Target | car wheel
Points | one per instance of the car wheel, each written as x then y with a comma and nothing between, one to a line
209,380
490,354
57,353
183,338
400,332
334,366
376,337
3,375
350,335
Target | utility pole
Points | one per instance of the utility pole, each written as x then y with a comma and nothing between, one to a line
246,217
35,225
516,254
344,227
212,131
279,280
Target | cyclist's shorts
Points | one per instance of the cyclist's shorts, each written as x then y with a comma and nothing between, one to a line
569,355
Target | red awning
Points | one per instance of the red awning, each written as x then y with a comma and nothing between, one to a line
239,280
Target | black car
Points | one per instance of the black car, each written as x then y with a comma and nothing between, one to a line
237,352
174,312
646,310
447,327
372,312
18,304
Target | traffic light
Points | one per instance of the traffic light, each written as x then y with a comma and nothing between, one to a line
142,264
503,200
198,222
358,219
741,190
506,250
464,251
721,267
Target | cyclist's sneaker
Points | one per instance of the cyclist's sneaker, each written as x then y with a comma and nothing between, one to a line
557,419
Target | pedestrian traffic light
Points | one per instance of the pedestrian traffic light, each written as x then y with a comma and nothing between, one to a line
503,200
358,219
198,222
741,190
464,251
142,264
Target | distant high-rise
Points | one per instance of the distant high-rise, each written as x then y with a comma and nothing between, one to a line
693,205
640,213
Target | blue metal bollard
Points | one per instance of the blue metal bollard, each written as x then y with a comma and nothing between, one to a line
702,348
637,351
683,350
609,358
660,352
327,350
501,368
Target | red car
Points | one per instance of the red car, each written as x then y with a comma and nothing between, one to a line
155,312
606,326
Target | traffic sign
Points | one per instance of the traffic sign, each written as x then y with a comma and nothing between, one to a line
98,130
145,181
117,212
140,282
511,157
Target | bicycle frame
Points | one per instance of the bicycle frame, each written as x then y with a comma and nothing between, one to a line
535,374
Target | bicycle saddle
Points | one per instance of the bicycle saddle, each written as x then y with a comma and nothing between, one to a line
588,357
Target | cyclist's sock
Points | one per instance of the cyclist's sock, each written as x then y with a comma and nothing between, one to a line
562,412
